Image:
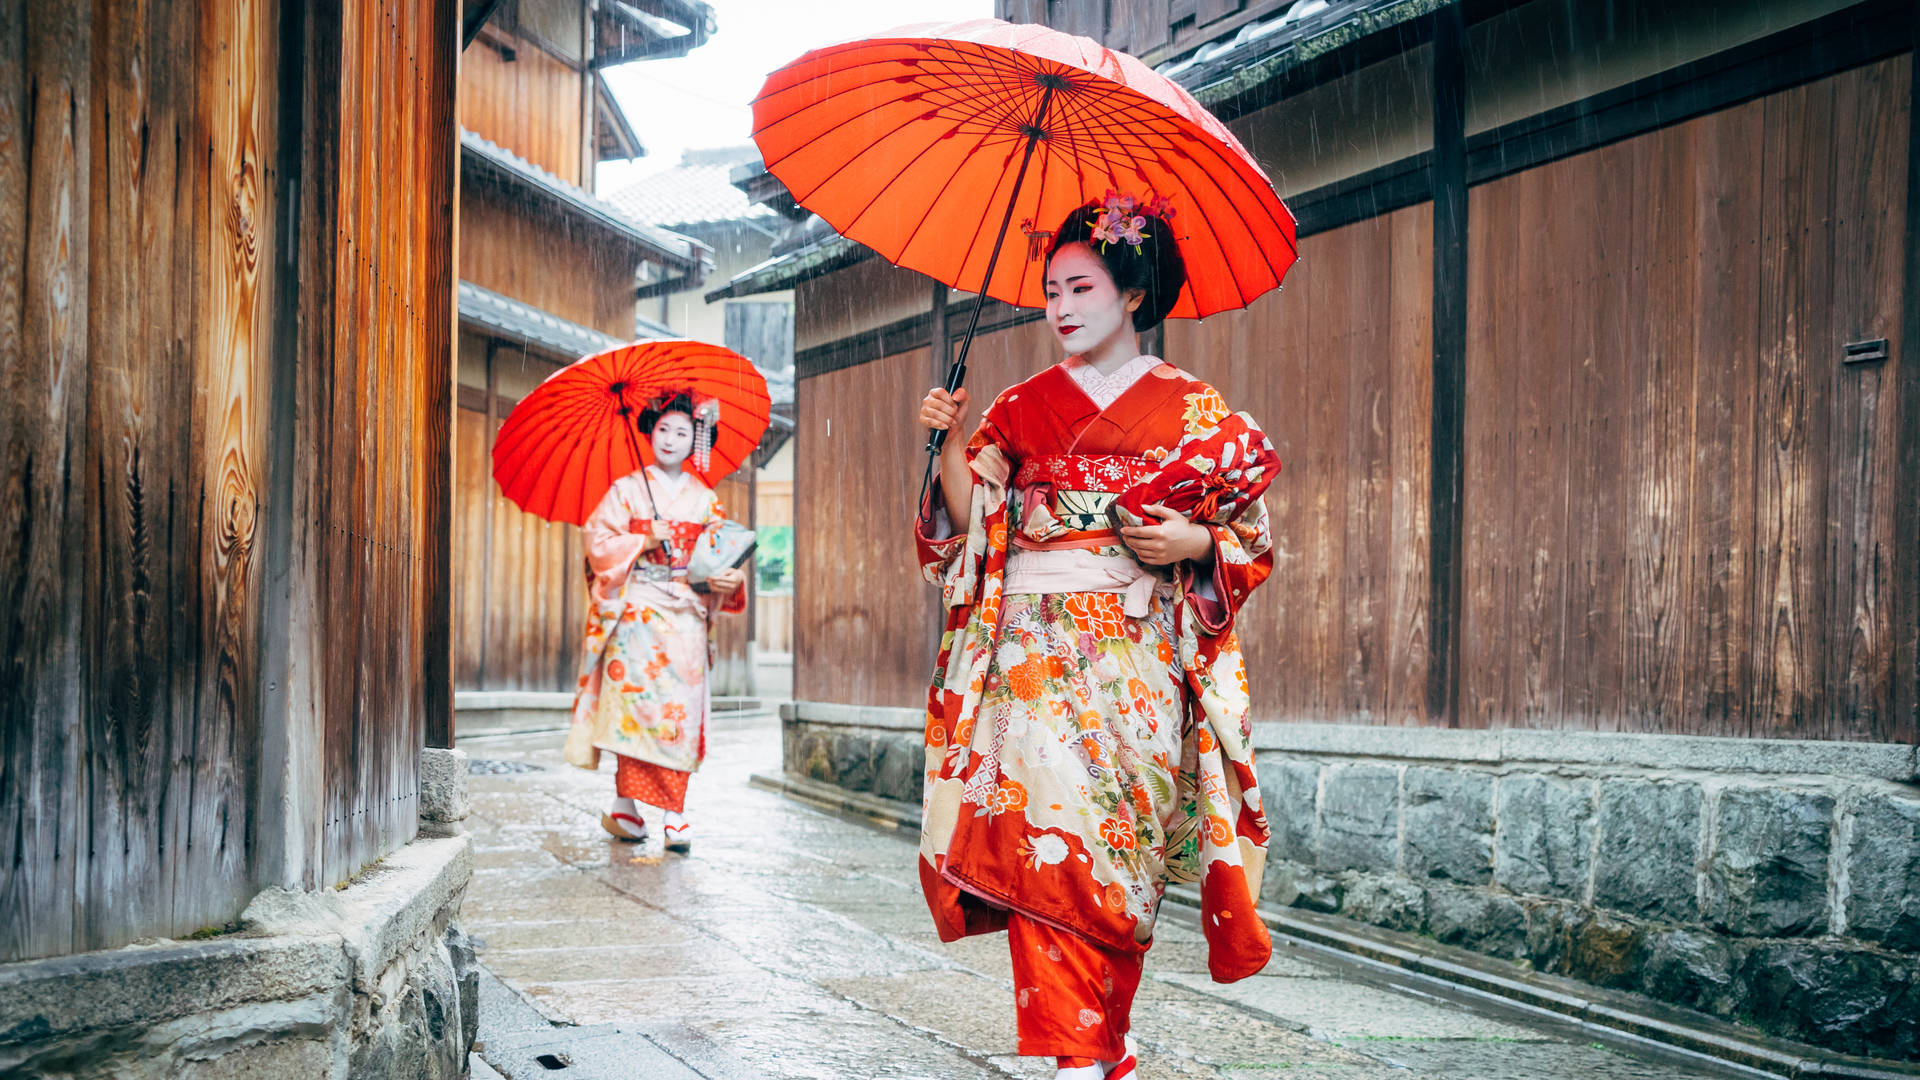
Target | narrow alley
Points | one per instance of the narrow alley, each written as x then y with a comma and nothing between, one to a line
793,942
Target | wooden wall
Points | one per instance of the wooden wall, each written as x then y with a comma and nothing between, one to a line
562,267
1679,510
530,105
142,351
371,487
1337,367
519,594
133,353
1679,503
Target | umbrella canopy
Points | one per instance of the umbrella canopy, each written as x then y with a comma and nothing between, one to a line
913,143
568,441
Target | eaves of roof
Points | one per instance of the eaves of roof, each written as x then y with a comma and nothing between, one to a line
1219,72
516,320
785,271
489,160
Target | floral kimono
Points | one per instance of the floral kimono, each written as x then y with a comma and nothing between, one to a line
643,672
1087,728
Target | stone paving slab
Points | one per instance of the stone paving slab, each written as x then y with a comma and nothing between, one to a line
793,942
1336,1009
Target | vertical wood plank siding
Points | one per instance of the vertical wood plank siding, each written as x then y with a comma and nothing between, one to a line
1337,368
375,485
144,233
1680,510
1679,503
134,200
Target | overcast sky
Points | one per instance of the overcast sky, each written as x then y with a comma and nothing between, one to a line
701,99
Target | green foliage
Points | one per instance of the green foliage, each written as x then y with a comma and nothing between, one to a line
773,558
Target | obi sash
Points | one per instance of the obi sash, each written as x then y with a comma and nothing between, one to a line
1071,570
1063,498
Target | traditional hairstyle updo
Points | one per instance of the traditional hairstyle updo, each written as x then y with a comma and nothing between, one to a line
1154,266
649,416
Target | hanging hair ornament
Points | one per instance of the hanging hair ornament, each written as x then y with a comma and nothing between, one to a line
1122,217
706,416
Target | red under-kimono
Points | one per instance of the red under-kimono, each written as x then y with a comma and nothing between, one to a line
1087,729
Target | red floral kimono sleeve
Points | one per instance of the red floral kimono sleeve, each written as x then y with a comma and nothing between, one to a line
954,561
1216,477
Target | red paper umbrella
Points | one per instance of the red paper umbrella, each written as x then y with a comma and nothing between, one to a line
927,142
919,143
568,441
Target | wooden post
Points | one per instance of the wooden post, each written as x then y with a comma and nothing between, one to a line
939,347
441,372
1906,526
1449,363
484,616
589,141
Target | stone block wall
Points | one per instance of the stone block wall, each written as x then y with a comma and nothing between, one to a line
366,982
1682,868
875,751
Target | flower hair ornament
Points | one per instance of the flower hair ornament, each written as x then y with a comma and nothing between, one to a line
1122,218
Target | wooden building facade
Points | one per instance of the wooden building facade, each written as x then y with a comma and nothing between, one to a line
1589,384
225,358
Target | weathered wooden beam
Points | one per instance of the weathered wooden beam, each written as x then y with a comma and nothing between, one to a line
1905,564
1445,523
440,373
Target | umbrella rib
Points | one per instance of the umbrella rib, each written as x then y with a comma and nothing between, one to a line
1292,247
924,218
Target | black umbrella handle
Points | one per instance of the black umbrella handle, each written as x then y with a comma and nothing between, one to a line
957,373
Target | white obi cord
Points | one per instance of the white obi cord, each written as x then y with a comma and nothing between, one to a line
1071,570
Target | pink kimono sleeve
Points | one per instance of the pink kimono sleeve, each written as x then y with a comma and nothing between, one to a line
611,544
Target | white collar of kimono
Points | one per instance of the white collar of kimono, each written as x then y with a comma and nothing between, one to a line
1106,389
674,483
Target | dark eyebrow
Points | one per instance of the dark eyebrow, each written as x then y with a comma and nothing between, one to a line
1077,277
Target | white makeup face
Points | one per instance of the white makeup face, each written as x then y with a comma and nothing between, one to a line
1084,307
672,439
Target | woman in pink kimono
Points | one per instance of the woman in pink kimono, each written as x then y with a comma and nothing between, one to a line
643,692
1087,731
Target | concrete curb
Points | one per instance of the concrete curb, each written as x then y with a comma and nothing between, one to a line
872,809
1462,974
292,949
1668,753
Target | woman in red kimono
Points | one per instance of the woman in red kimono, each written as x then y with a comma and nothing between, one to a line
1087,731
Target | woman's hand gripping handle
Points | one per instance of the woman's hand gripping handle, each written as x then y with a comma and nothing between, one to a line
941,411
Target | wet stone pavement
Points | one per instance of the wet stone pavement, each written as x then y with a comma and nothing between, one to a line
793,942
